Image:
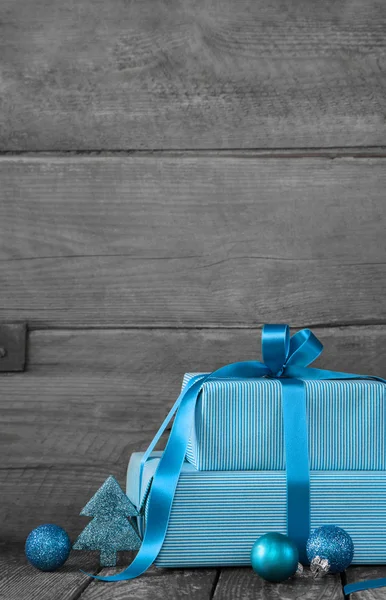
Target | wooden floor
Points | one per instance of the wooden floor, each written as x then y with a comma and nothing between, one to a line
174,174
20,581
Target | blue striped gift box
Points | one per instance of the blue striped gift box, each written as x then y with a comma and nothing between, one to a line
217,515
239,425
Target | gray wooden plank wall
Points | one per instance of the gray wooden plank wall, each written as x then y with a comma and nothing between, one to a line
174,174
198,74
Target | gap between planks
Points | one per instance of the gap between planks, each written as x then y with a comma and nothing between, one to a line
83,587
169,326
215,582
278,153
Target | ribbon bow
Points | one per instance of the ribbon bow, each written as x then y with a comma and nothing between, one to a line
285,359
281,351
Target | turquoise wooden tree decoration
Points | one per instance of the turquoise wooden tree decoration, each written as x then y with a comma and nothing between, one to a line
112,529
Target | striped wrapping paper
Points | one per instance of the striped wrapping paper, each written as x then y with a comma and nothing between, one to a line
217,515
239,425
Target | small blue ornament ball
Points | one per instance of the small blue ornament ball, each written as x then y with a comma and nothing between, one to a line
47,547
274,557
330,549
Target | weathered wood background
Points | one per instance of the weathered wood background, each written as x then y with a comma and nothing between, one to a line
174,174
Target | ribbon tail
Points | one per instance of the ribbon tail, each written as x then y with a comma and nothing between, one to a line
359,586
165,423
166,477
163,489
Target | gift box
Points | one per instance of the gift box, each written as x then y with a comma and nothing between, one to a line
238,425
216,516
273,446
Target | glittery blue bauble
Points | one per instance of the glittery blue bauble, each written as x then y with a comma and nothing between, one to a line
274,557
47,547
333,544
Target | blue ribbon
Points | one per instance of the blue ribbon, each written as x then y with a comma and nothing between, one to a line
297,464
359,586
285,359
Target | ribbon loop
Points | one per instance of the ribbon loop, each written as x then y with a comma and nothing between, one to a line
275,343
304,348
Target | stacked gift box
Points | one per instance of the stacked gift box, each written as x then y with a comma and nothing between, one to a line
232,487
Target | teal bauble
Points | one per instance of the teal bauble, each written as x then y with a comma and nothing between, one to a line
274,557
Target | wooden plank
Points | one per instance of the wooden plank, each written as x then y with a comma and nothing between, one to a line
52,493
192,241
90,398
157,584
20,581
244,584
106,392
364,573
144,74
12,346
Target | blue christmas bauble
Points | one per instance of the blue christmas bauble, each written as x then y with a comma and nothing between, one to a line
330,549
47,547
274,557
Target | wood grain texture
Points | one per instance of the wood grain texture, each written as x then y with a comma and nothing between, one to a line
55,493
192,241
157,584
20,581
363,573
170,74
90,398
244,584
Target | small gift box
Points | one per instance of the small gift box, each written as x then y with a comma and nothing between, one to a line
238,425
217,516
